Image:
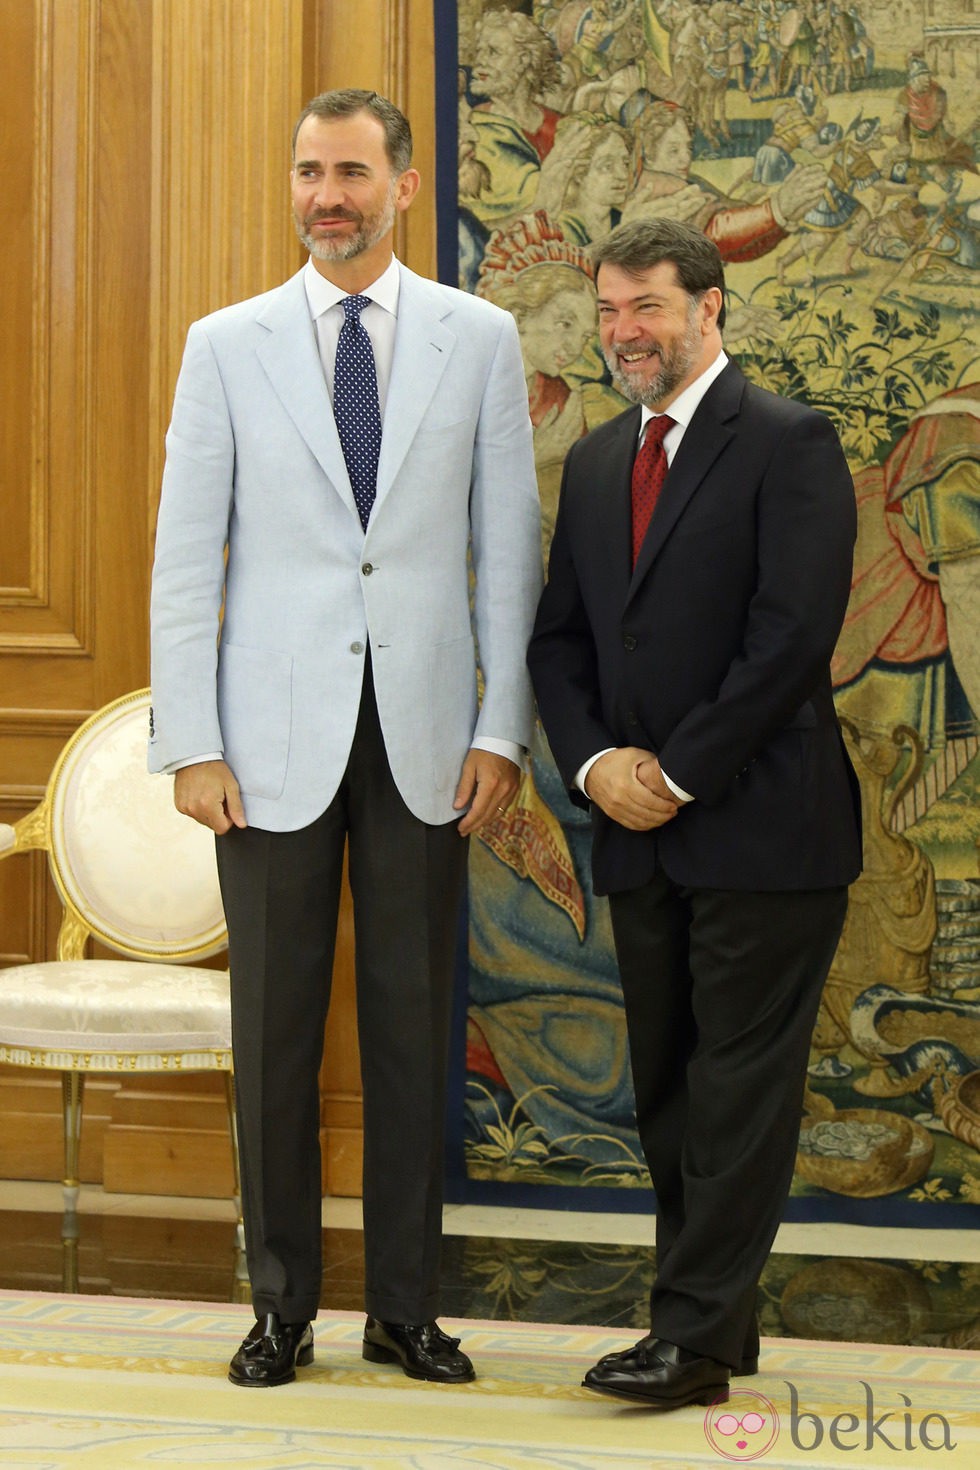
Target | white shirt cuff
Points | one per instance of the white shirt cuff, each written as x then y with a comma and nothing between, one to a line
193,760
508,748
679,792
586,767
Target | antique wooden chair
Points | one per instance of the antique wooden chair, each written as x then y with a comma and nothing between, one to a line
135,875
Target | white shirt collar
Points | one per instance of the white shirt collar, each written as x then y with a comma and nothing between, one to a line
683,407
322,294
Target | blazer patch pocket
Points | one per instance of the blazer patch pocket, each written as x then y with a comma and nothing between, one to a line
255,710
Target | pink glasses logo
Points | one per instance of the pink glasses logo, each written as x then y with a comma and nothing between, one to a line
744,1428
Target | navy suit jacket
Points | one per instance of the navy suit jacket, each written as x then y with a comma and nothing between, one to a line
715,651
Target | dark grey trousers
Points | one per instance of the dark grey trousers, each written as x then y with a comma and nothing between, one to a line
281,894
721,991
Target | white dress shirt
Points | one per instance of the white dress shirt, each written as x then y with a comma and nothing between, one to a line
379,321
681,411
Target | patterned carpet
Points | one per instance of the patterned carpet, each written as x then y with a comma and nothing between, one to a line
102,1383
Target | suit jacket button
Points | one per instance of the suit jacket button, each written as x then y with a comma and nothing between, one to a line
357,648
629,642
367,569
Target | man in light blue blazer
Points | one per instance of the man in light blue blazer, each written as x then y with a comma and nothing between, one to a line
324,582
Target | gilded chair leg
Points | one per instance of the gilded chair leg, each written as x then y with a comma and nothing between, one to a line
236,1166
72,1089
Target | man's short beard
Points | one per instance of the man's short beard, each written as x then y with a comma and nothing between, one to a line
370,232
674,368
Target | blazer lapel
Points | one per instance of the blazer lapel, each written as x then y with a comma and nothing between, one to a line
423,345
705,437
291,360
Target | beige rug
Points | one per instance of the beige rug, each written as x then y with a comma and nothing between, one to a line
105,1383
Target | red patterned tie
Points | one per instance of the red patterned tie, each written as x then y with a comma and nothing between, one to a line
649,473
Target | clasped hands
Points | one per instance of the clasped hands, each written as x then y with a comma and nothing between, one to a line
629,787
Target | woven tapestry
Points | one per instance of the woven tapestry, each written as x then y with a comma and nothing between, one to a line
830,152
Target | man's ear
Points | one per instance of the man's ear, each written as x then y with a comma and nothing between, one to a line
711,304
408,187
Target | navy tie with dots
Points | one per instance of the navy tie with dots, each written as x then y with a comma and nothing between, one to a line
355,405
649,474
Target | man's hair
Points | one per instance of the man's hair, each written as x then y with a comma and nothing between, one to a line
638,246
346,102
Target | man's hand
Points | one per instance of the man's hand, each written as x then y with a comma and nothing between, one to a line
487,785
613,783
209,793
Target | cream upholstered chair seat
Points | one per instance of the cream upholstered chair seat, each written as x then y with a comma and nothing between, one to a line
114,1015
135,875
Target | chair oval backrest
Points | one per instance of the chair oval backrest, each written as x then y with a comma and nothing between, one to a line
142,877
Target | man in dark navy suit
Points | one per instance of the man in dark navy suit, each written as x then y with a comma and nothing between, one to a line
699,574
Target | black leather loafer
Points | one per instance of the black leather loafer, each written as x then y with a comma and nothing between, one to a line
424,1352
660,1374
631,1357
271,1353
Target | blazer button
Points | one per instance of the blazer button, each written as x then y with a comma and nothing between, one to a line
367,569
629,642
357,648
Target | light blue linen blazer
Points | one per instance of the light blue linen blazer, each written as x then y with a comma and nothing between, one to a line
257,515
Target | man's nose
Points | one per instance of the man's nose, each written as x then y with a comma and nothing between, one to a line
329,193
627,327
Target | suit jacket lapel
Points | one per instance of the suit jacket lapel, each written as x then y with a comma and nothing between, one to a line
423,345
291,359
614,500
705,437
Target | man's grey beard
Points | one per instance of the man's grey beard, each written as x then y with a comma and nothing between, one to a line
370,232
675,365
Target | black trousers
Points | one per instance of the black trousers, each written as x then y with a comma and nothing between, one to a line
721,991
281,895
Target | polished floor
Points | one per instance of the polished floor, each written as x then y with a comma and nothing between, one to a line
844,1283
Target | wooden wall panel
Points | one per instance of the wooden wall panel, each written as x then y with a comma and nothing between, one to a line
227,84
145,144
20,106
74,461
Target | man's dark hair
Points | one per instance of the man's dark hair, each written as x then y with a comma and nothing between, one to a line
644,243
347,101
